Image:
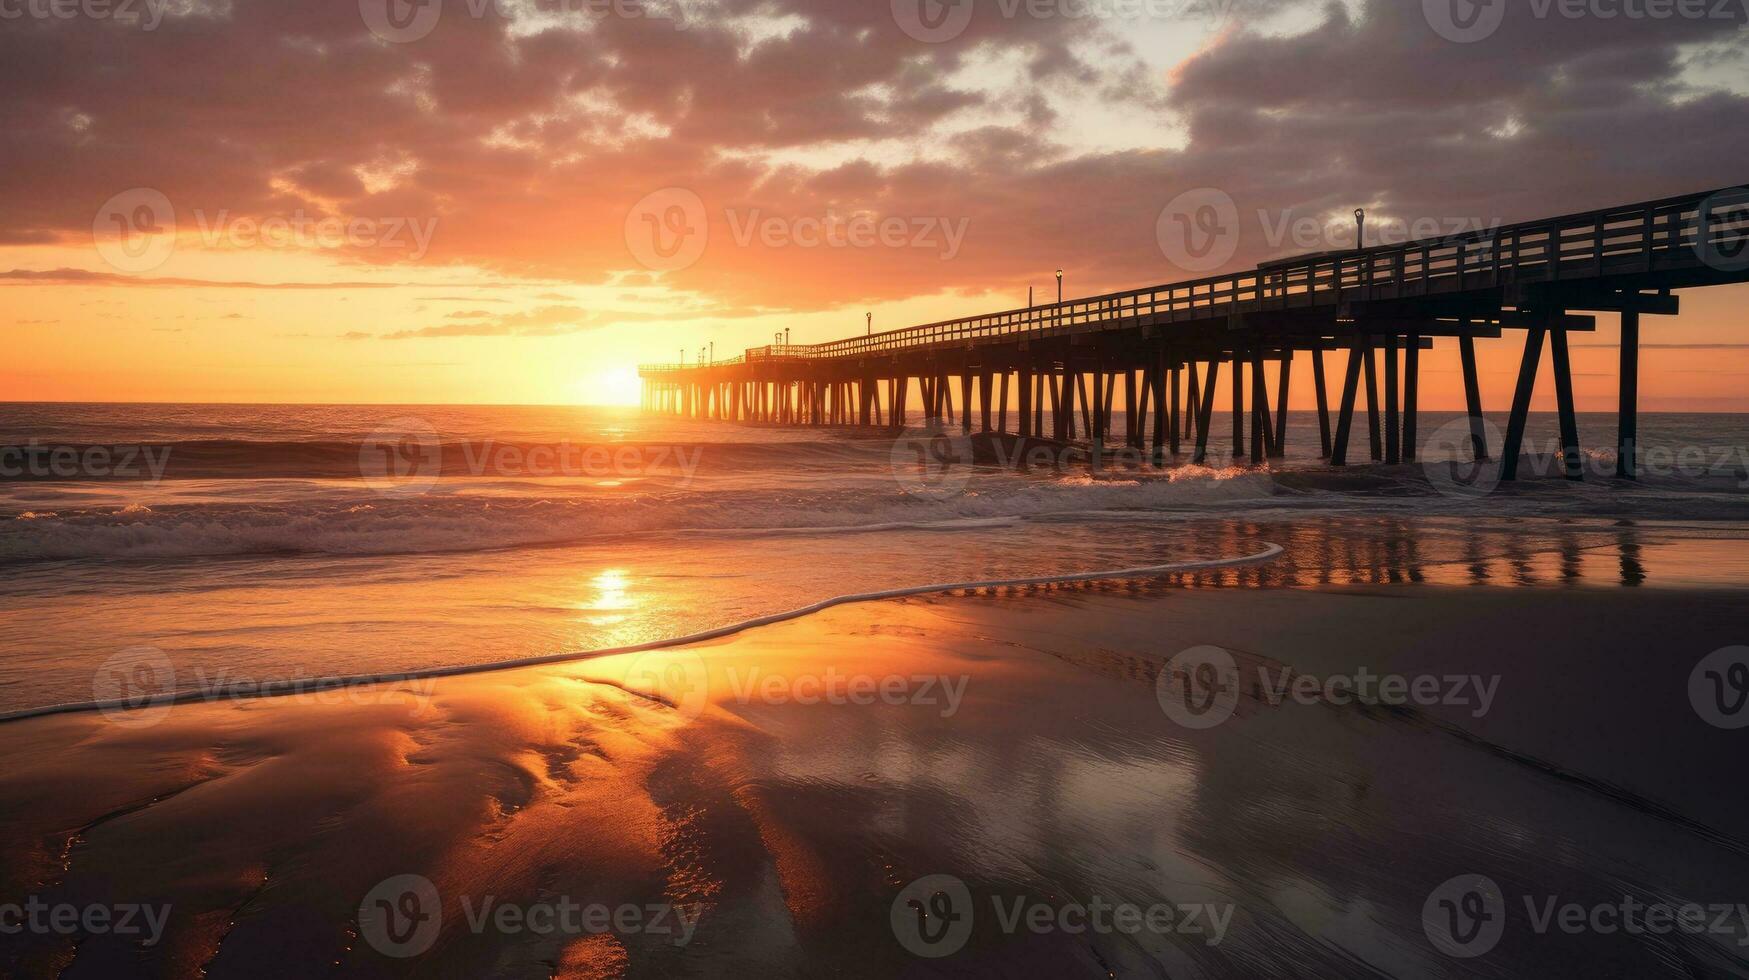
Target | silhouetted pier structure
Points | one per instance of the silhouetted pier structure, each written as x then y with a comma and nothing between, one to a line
1165,346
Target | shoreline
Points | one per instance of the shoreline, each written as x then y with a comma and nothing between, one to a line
760,816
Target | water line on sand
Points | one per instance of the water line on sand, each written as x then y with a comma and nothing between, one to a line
273,689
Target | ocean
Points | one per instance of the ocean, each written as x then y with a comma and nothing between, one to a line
268,543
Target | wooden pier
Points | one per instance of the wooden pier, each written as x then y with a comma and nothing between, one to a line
1162,349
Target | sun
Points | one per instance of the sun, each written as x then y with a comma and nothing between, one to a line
609,386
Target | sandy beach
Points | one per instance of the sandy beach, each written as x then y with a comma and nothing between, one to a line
788,799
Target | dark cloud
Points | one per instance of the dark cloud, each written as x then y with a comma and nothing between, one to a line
529,149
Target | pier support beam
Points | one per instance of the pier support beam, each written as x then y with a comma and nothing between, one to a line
1278,434
1533,354
1238,404
1575,464
1372,401
1166,413
1628,408
1345,413
1323,403
1393,420
1411,396
1259,410
1473,398
1205,411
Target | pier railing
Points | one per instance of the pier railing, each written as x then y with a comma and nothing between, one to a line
1691,231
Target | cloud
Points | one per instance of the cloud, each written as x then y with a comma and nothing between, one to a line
544,322
529,143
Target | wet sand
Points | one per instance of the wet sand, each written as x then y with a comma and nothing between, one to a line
770,797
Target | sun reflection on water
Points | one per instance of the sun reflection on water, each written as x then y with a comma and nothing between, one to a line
612,599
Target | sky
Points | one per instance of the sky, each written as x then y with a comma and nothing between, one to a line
518,201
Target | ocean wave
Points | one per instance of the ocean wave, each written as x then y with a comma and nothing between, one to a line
389,524
39,460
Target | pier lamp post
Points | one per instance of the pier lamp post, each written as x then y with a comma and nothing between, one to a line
786,336
1059,285
1359,228
869,332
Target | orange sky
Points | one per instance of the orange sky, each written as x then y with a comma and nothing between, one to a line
479,203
